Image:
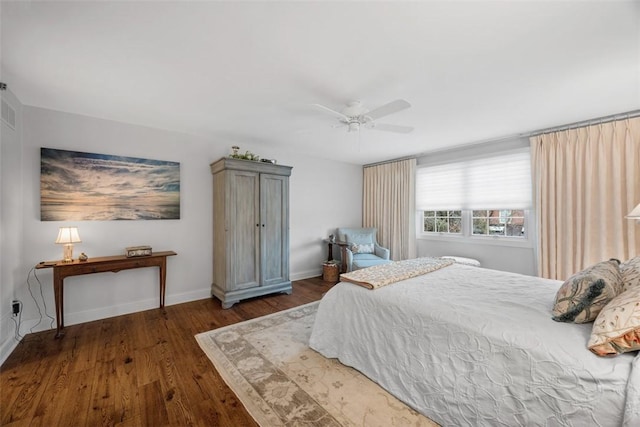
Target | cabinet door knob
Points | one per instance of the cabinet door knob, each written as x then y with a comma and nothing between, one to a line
257,225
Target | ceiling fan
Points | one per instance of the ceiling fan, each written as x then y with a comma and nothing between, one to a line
355,116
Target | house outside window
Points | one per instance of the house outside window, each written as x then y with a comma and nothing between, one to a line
505,222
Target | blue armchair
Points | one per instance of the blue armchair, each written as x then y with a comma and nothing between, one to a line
363,250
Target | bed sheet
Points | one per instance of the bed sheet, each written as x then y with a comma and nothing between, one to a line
472,346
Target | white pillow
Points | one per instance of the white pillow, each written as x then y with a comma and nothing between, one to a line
362,248
617,327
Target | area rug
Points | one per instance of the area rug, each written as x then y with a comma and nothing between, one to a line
282,382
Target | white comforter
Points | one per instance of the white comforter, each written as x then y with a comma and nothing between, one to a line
471,346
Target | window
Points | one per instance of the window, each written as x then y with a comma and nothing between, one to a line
461,198
443,222
498,223
509,223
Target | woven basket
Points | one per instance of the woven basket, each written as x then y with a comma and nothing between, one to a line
330,272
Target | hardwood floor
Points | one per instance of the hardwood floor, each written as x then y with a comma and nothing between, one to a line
140,369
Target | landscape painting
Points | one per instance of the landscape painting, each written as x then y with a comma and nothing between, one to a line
77,186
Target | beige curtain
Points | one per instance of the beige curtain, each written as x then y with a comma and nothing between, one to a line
585,181
389,205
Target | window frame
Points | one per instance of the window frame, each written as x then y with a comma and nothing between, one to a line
468,237
447,218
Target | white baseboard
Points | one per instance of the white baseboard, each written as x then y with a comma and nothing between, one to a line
7,348
189,296
301,275
75,318
9,343
133,307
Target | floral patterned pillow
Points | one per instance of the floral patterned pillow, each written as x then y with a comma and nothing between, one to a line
583,295
617,327
360,243
630,271
362,248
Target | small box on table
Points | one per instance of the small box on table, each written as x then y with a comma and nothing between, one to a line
133,251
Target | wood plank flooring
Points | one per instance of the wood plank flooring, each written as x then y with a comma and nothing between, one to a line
140,369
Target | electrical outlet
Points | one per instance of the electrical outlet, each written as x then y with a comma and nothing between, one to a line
15,307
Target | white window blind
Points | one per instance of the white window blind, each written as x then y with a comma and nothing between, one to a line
500,181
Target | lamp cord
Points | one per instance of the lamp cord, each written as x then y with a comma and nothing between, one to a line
44,303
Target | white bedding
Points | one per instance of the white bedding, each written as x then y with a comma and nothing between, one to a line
472,346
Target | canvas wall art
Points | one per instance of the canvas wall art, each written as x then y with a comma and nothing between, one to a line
77,186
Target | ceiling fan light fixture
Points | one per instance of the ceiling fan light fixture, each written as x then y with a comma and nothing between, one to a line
355,116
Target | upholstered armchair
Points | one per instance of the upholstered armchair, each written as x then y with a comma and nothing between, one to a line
363,249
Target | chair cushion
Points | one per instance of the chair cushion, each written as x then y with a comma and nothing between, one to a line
360,238
370,231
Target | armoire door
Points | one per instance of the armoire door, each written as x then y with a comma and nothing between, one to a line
244,226
274,233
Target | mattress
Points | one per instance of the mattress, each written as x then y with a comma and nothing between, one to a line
472,346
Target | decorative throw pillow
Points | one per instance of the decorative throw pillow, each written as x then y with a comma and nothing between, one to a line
617,327
360,243
362,248
583,295
630,271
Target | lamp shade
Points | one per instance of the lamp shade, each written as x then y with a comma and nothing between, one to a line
68,235
635,213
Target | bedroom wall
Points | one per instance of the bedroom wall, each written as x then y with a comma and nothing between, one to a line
498,257
313,216
10,221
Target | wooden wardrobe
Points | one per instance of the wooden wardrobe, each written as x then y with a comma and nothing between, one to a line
250,229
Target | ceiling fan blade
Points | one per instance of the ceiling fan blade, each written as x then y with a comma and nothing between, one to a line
390,108
330,111
392,128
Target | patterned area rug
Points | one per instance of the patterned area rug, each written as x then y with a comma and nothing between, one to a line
282,382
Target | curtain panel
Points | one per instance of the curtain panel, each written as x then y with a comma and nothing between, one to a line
389,205
585,181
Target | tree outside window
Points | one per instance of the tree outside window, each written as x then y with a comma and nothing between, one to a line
443,222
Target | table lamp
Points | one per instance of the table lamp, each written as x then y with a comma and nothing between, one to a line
68,236
634,214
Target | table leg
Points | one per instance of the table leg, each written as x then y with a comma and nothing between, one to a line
330,257
58,295
163,280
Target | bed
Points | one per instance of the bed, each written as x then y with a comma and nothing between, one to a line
472,346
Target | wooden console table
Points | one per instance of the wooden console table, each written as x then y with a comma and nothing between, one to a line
61,270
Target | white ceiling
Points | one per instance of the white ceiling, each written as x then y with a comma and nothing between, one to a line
247,72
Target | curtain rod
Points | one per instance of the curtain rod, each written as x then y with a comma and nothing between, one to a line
599,120
583,123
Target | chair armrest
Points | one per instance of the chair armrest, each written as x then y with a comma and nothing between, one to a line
381,252
347,262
